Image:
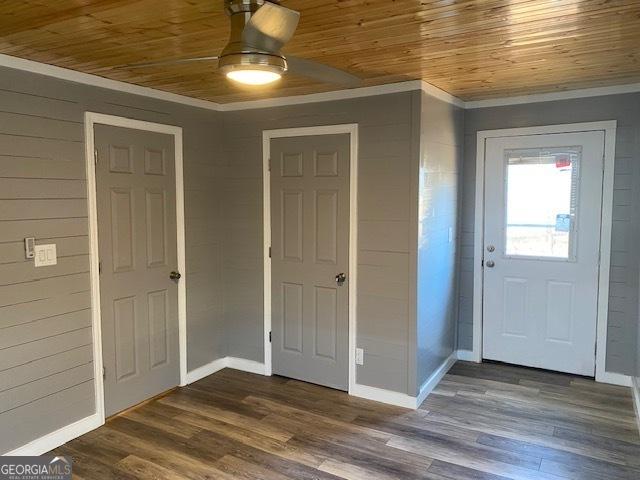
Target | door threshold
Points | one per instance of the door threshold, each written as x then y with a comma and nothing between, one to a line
537,369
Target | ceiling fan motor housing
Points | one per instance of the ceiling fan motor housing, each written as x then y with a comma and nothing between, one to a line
240,53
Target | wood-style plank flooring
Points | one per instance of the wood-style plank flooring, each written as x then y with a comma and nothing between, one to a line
484,421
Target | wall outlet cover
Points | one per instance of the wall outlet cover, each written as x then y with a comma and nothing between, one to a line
359,356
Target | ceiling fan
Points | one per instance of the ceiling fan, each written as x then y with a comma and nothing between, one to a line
259,30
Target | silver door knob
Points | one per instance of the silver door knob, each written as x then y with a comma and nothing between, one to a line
340,279
490,263
175,276
491,248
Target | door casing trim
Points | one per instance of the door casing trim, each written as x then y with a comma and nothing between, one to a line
267,136
90,120
609,129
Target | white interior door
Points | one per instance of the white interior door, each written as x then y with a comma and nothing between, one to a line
543,206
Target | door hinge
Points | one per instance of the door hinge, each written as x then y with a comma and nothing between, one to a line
104,372
269,337
269,164
269,252
95,156
99,267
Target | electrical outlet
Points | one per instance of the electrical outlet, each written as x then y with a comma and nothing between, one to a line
359,356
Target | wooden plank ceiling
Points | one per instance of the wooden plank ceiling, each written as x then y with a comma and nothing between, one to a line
473,49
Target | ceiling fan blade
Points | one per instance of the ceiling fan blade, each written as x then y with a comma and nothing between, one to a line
270,27
161,63
321,72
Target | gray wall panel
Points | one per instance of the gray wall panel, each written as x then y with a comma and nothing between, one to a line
45,347
30,311
32,188
441,141
22,272
20,354
44,328
45,415
623,307
45,367
43,288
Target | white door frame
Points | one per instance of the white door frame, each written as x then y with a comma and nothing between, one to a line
267,135
609,129
90,119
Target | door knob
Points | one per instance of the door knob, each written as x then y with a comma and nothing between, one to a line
491,248
340,279
490,263
175,276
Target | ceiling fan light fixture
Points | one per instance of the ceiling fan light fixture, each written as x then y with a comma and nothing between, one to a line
253,77
253,68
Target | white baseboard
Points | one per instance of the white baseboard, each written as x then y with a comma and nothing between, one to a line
467,356
243,364
635,391
59,437
614,379
206,370
431,382
383,395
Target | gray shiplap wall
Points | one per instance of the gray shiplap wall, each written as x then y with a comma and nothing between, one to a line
387,208
636,241
440,162
46,370
623,300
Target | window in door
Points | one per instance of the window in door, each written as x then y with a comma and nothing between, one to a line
541,201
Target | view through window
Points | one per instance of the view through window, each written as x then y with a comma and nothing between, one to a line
541,200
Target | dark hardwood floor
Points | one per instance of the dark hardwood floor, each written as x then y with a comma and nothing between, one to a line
482,422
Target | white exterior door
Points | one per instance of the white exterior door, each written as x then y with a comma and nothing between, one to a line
543,205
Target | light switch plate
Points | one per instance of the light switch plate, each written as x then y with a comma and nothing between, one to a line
359,356
45,255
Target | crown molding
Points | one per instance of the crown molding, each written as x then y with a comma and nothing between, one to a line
97,81
440,94
554,96
412,85
388,88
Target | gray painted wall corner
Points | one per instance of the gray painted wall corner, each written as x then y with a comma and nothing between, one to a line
439,175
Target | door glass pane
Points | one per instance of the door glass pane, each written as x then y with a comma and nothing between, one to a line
541,200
